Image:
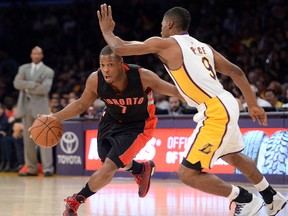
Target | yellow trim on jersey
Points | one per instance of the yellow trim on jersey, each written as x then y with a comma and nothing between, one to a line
210,135
188,87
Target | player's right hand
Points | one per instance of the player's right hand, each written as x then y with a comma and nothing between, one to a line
105,18
258,113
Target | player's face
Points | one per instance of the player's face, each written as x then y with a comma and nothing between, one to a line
164,28
111,67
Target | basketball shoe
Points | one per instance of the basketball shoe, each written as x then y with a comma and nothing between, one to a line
72,204
248,209
278,203
143,179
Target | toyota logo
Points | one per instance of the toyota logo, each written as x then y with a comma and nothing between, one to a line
69,142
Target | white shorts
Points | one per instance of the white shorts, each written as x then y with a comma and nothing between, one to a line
217,132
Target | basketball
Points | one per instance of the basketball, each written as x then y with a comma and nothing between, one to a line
46,131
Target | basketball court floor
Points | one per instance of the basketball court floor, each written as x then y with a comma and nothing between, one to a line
34,196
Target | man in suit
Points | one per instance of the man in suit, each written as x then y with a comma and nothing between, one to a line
34,81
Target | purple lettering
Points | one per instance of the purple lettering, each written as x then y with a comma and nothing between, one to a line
194,50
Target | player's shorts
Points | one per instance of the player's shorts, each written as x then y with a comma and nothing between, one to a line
120,142
217,132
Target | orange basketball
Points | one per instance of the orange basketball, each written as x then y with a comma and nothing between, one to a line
46,131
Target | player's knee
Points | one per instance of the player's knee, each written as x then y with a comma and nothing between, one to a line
109,167
188,176
182,174
105,173
233,159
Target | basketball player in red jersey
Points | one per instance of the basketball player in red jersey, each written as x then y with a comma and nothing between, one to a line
127,123
192,65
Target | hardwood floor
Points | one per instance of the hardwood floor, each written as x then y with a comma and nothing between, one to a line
34,196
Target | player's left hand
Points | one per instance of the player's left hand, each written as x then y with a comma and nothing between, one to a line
105,18
258,113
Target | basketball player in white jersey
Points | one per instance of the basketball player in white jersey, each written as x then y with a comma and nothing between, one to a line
192,65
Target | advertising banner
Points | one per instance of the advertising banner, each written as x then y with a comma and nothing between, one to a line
268,147
70,150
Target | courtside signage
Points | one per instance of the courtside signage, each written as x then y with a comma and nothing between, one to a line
167,146
69,145
70,150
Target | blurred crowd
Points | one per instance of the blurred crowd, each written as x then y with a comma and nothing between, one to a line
252,34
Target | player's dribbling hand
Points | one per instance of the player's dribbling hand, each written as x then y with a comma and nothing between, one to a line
105,18
258,113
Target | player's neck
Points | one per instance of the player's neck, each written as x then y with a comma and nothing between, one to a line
177,32
120,85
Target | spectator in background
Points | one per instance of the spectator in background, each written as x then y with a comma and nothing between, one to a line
161,103
6,143
73,95
285,106
235,91
98,105
18,143
261,102
95,110
252,77
175,106
272,97
34,81
276,86
16,140
261,84
285,93
54,102
280,90
56,108
64,101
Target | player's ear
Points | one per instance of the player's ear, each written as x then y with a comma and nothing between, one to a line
170,24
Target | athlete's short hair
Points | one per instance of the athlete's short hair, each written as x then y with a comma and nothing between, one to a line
108,51
180,16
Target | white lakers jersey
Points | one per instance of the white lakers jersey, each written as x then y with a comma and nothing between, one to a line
196,79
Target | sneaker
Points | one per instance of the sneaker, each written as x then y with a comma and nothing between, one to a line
24,169
248,209
279,202
72,204
143,179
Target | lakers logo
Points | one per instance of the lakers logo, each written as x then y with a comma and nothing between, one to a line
206,148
